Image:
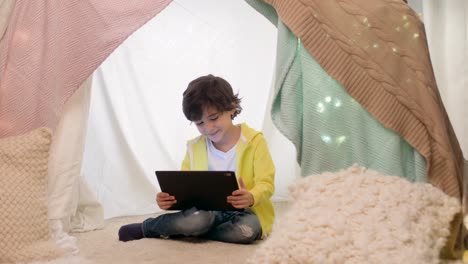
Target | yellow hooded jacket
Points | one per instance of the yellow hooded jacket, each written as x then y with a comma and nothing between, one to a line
253,164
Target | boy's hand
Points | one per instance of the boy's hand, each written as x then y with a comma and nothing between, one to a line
241,198
165,200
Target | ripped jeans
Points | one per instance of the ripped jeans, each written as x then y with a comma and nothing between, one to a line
227,226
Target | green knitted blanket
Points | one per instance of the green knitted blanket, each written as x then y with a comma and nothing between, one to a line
329,129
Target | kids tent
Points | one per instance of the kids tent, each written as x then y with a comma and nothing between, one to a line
367,71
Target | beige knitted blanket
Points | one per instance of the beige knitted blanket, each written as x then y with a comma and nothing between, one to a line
24,228
378,50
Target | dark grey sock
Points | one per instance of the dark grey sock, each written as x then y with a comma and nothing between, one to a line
131,232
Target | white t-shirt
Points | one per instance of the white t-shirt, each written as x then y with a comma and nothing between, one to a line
221,161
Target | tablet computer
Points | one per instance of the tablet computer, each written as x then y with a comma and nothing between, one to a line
205,190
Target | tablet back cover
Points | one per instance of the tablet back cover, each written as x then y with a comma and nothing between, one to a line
205,190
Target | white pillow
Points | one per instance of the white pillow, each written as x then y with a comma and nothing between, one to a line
24,230
360,216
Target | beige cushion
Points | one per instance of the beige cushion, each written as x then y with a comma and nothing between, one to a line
360,216
24,230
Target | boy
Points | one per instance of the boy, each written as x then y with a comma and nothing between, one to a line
210,103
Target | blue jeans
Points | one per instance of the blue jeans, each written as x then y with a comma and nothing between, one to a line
227,226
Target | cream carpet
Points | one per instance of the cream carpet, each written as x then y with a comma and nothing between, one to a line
103,247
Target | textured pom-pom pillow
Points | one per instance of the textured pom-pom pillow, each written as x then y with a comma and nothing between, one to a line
360,216
24,230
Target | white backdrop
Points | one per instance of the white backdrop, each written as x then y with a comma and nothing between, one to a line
136,123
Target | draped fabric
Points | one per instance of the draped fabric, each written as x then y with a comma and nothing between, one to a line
71,204
446,25
47,51
377,50
50,47
330,130
447,35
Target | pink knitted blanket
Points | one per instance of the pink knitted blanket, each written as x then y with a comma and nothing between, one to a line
50,47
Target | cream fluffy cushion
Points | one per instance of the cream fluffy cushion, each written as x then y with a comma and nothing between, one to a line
24,230
360,216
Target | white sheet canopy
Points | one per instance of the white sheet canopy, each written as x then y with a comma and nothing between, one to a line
130,122
136,124
134,131
139,127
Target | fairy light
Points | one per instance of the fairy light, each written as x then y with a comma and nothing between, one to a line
337,102
320,107
340,140
326,138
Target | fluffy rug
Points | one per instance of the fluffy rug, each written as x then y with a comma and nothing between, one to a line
102,247
360,216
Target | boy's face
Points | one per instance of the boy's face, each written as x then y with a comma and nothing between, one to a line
215,124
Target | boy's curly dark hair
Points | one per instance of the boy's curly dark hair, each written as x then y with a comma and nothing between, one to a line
212,91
